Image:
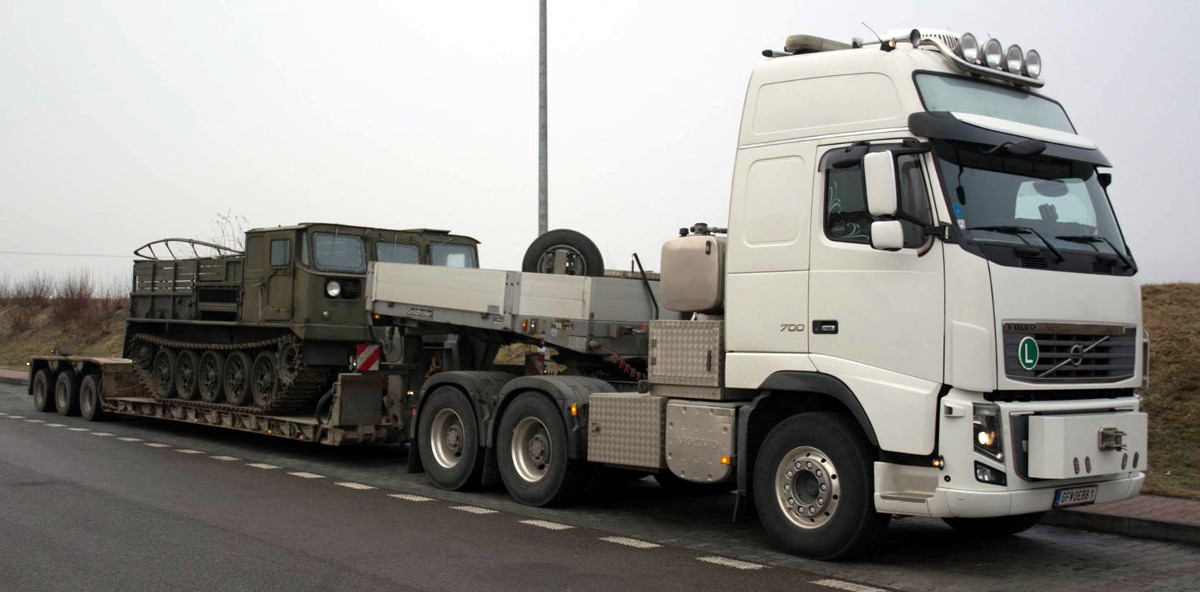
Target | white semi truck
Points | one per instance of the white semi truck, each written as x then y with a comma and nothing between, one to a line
923,305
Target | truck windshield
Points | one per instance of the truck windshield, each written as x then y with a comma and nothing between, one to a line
942,92
1046,203
339,252
448,255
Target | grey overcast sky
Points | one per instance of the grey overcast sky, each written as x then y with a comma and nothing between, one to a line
123,122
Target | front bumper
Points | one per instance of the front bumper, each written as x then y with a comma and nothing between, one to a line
959,503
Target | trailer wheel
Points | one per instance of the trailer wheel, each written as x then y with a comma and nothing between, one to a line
209,380
236,379
449,440
43,399
996,527
90,406
813,482
580,255
66,392
163,373
187,374
532,450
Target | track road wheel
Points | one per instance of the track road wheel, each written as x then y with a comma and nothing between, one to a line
43,395
264,380
580,256
209,380
532,451
163,373
993,528
90,406
449,440
813,487
187,374
66,392
236,379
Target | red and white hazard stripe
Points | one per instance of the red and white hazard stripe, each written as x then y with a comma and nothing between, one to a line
368,357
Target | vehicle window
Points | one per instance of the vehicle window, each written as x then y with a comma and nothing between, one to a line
846,215
303,250
962,95
448,255
397,253
281,252
339,252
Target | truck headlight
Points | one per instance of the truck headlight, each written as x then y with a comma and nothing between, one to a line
333,288
987,434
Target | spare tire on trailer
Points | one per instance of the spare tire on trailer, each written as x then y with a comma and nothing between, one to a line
581,256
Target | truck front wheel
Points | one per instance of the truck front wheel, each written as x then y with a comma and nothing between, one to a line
449,440
813,482
532,452
996,527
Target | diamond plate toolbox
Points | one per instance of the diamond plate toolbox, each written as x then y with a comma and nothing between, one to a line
626,429
686,353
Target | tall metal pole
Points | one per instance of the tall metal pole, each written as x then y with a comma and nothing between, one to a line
543,168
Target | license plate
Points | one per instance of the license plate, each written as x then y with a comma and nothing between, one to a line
1075,496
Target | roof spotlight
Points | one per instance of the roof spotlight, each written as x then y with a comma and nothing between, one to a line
1033,64
969,47
914,37
1014,59
993,53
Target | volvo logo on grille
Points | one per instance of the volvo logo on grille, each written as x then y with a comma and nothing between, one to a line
1076,354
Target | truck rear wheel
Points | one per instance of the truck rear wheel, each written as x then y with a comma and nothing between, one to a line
264,380
996,527
163,373
187,373
66,393
532,452
580,255
43,397
813,482
236,379
449,440
209,380
90,406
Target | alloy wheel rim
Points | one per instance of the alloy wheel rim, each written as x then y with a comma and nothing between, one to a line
531,449
447,437
807,487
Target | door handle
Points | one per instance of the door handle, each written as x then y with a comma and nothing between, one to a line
825,327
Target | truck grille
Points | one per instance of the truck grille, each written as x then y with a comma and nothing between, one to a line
1064,352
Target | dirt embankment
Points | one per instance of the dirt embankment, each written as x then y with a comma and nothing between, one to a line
36,324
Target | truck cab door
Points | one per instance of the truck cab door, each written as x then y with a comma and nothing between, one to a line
270,275
876,316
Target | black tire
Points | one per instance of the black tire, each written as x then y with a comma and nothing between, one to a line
264,380
209,382
835,481
90,406
673,484
531,449
453,461
43,393
66,392
583,257
162,373
186,373
996,527
235,379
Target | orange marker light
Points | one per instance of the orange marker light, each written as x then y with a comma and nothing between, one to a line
725,460
574,410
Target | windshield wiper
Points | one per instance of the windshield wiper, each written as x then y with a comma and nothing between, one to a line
1019,230
1092,240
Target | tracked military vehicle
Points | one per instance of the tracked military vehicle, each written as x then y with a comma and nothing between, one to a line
266,329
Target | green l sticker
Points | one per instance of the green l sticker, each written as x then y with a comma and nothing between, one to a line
1027,353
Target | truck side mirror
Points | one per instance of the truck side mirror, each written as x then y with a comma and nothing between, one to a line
887,235
879,170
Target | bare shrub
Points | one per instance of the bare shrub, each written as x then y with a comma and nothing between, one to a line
33,291
229,230
75,308
21,319
5,289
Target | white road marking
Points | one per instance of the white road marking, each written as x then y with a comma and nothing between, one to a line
408,497
2,414
16,417
79,429
157,445
848,586
226,458
628,542
353,485
262,466
473,509
56,425
127,439
36,420
548,525
101,434
187,451
304,475
727,562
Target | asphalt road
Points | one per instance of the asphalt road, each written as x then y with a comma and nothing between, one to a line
148,505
